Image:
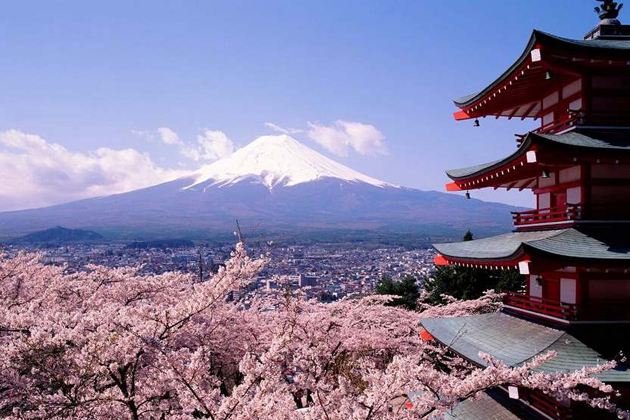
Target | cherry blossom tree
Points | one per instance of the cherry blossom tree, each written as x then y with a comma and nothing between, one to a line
490,301
117,344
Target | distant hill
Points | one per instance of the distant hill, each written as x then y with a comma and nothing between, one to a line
60,234
276,187
162,244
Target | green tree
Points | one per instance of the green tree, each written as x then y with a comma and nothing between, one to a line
470,283
407,288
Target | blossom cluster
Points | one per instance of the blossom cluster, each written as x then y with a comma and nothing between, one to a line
116,344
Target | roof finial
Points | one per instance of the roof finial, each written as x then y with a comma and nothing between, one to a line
609,11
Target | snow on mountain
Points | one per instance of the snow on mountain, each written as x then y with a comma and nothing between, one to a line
278,184
277,160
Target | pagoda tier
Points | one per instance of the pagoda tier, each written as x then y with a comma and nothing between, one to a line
574,276
563,82
516,341
579,176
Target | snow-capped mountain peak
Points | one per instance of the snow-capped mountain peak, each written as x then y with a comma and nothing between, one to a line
278,160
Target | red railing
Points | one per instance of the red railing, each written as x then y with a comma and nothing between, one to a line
548,307
577,118
549,406
559,125
592,311
566,213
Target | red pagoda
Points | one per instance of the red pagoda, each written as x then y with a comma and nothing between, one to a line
574,248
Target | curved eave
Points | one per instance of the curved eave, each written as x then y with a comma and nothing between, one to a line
469,100
502,250
512,262
595,49
513,171
584,246
472,172
518,170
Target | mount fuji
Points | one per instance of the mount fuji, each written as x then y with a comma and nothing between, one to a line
276,184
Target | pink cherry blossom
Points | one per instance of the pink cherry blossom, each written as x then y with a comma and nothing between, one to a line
117,344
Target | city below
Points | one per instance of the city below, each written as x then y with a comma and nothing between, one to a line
327,272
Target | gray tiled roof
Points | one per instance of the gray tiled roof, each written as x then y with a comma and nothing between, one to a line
516,341
494,405
455,174
595,139
594,243
601,48
494,248
579,138
591,243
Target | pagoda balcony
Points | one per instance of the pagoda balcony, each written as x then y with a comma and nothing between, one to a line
567,312
566,216
548,217
549,406
550,308
585,118
559,125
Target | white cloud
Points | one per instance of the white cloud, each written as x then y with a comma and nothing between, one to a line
342,136
210,145
169,137
143,134
37,173
215,145
279,129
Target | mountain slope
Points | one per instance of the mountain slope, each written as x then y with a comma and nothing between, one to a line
274,183
278,160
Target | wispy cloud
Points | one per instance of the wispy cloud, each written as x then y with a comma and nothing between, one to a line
343,136
209,146
169,137
214,145
143,134
37,173
279,129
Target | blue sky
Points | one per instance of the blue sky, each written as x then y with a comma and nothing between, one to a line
88,75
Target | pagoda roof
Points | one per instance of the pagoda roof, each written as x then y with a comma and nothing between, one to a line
580,243
598,48
587,139
493,404
516,341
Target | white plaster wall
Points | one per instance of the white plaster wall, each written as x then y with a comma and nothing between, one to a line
568,290
534,289
574,195
572,88
544,201
547,182
570,174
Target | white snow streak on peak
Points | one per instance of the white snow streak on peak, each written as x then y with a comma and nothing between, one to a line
278,160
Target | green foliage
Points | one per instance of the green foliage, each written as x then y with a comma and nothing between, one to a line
470,283
407,289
